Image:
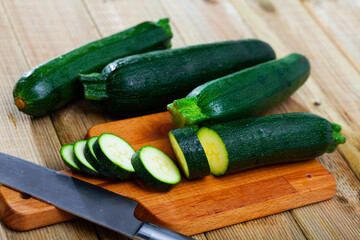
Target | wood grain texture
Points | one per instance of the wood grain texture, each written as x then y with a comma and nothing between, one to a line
340,20
210,203
333,85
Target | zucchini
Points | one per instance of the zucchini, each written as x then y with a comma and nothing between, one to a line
189,153
259,141
114,153
55,83
67,154
92,159
81,160
155,168
246,93
145,83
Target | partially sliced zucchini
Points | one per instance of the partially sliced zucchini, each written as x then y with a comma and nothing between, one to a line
81,160
92,159
67,154
215,151
189,153
155,168
114,153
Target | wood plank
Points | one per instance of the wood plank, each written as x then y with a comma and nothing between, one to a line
34,139
340,20
210,202
290,28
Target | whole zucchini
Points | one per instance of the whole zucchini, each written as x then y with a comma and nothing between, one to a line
146,82
242,94
55,83
259,141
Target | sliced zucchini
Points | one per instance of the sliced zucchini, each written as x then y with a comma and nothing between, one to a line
114,153
81,160
67,154
92,159
155,168
189,153
215,151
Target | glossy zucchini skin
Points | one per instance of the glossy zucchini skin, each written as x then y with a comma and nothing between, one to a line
246,93
145,83
192,151
278,138
55,83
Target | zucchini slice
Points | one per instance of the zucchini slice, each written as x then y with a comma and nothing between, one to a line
114,153
67,154
92,159
81,160
215,150
189,153
156,168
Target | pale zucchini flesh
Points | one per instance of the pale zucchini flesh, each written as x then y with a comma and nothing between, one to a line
179,155
83,163
215,151
67,154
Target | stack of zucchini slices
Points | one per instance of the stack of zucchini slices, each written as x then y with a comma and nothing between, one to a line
111,156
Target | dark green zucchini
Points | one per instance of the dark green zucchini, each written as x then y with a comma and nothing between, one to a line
68,155
189,153
155,168
81,160
146,82
259,141
246,93
55,83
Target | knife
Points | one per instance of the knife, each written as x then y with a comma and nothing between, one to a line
80,198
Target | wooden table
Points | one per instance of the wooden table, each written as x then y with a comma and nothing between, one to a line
327,32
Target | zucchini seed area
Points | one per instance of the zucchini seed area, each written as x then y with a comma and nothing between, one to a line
179,155
79,153
67,153
159,165
117,151
215,151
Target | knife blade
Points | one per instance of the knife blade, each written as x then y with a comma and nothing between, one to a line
80,198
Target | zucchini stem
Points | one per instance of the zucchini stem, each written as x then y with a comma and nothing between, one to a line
94,86
20,103
185,112
338,138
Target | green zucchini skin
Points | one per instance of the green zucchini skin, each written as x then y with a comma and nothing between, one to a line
246,93
83,167
279,138
55,83
194,154
145,83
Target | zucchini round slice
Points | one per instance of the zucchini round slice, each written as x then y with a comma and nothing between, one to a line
189,153
215,151
67,154
81,160
114,153
92,159
156,168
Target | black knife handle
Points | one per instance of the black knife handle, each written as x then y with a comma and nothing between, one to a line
149,231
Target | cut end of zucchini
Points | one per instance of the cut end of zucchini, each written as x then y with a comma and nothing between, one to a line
215,151
179,155
94,86
67,154
117,150
185,112
156,168
338,138
20,103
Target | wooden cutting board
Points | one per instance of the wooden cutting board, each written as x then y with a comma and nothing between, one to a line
191,206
